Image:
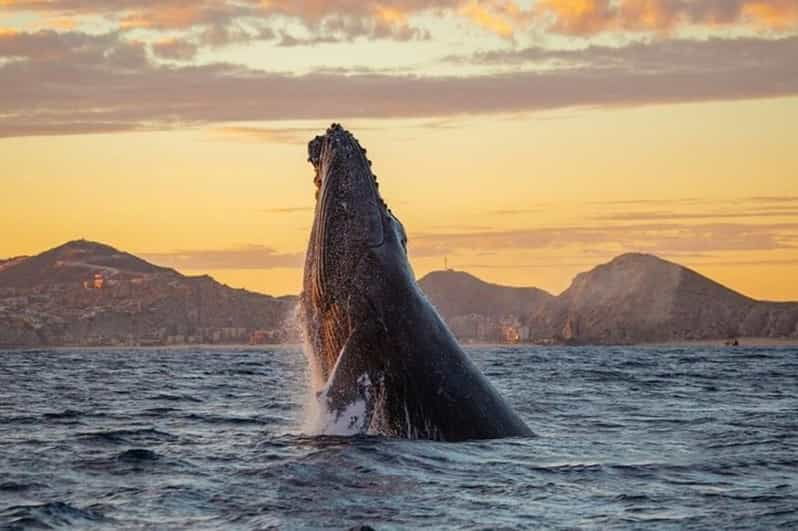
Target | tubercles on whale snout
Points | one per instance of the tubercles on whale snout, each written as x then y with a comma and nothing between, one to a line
314,157
324,146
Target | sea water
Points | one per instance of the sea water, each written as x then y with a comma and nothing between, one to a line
217,438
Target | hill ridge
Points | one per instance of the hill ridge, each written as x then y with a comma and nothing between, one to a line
87,292
633,298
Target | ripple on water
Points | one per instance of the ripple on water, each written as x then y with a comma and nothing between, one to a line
125,436
137,455
211,439
49,515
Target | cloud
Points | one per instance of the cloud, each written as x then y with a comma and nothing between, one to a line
492,19
391,19
282,135
669,215
680,201
590,17
345,20
706,208
176,49
576,17
274,135
289,41
775,199
341,20
234,32
515,211
164,14
528,265
651,57
646,237
246,257
64,81
51,47
694,259
747,263
288,210
177,15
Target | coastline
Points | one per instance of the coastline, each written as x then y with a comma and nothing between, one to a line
743,342
184,346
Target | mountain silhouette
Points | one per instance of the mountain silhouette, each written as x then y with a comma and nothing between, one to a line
634,298
89,293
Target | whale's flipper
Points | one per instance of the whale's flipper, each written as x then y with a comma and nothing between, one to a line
355,382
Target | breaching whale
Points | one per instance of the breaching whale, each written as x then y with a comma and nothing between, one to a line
390,365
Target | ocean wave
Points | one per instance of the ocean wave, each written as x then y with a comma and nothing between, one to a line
49,515
214,439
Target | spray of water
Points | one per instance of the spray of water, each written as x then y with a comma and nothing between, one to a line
318,418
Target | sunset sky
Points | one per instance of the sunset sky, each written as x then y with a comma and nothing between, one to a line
524,140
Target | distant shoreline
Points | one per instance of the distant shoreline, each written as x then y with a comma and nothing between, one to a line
743,342
184,346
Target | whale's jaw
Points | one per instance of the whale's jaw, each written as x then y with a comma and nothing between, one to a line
348,222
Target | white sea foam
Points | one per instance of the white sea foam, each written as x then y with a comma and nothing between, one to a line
319,418
349,421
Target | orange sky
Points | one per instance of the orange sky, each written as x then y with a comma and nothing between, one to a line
525,141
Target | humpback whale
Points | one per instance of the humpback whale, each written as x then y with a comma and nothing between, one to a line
387,363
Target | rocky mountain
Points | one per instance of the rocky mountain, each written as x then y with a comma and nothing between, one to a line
635,298
72,262
457,293
8,262
87,293
479,311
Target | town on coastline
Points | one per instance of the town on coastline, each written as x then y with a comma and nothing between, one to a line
101,311
89,294
85,293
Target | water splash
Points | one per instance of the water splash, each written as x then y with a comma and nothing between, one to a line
320,418
349,421
307,395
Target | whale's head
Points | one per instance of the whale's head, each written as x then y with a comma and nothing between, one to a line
354,240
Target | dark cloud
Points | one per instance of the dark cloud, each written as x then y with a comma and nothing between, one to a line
652,57
289,41
226,21
156,14
247,257
63,79
176,49
234,32
72,49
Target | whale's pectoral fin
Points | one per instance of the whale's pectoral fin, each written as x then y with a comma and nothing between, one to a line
357,376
